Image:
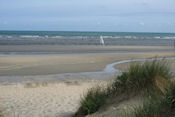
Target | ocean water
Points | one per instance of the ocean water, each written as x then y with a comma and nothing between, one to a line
85,38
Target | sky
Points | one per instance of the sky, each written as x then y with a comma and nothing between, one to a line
88,15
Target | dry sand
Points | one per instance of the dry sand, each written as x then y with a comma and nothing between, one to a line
59,99
42,99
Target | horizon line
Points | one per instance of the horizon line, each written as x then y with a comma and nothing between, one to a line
88,31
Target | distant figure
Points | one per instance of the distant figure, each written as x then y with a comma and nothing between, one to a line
102,41
174,44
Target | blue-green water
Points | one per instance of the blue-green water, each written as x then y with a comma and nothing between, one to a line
85,38
72,33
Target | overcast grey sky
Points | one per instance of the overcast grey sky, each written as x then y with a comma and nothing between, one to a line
88,15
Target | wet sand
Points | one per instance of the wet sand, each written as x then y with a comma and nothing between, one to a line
81,49
85,61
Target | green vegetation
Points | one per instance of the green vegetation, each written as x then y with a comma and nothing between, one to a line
95,98
158,105
142,77
1,114
146,79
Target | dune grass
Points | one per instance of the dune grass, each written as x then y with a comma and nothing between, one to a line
1,114
144,78
95,98
158,105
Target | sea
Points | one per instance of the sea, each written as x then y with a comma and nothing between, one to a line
86,38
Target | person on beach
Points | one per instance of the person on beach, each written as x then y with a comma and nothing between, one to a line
102,41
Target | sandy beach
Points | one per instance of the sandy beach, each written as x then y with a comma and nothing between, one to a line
29,87
42,99
55,53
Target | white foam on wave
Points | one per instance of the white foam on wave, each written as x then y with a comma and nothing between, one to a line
169,37
9,36
29,36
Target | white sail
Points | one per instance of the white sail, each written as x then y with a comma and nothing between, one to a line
102,41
